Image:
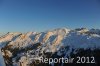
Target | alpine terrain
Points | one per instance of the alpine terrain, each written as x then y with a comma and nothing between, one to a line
27,49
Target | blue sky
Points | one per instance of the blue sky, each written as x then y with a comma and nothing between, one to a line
41,15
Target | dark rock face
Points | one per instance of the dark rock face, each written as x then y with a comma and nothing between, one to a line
80,53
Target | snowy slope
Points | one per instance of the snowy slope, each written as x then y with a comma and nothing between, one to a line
2,63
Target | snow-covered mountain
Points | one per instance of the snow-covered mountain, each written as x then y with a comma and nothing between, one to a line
25,49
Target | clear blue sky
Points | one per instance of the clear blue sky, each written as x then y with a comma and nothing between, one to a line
41,15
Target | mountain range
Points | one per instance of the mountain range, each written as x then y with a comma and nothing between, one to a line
26,49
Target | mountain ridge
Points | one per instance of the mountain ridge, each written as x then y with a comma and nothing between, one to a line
60,41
